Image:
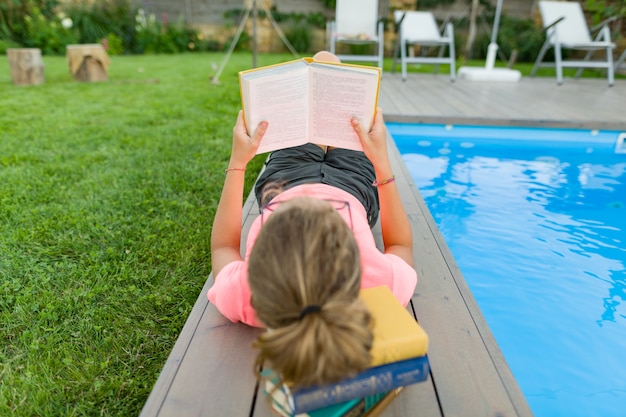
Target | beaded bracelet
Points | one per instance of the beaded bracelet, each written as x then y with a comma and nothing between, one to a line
234,169
377,183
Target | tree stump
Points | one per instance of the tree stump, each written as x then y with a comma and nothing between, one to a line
26,66
88,62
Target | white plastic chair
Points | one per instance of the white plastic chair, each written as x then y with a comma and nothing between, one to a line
566,28
420,28
356,22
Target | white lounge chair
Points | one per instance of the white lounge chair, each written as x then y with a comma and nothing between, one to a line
420,28
566,28
356,23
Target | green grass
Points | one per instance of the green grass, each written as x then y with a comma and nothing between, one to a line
524,68
107,195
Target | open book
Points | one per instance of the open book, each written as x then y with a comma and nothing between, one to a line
309,101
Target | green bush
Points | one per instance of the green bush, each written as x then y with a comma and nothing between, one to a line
114,44
13,14
315,19
207,45
6,44
50,34
300,36
604,9
243,44
522,35
120,24
36,23
155,37
98,20
427,4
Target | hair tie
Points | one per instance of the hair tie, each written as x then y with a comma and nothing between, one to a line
308,310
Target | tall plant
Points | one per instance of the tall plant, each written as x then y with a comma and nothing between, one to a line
426,4
13,14
48,33
101,19
604,9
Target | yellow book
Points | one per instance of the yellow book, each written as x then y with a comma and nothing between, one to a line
305,100
397,335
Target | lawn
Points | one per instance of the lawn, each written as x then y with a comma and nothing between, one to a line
107,194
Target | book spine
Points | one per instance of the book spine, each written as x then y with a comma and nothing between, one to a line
380,406
369,382
399,350
358,409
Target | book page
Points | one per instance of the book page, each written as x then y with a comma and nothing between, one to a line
338,94
280,98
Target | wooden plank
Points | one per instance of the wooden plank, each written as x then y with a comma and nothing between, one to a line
394,100
426,98
469,371
216,376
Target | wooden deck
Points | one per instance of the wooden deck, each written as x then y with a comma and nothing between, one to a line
209,371
429,98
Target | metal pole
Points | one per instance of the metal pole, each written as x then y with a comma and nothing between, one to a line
493,45
280,33
231,48
496,22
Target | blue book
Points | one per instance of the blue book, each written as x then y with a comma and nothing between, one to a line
353,408
372,381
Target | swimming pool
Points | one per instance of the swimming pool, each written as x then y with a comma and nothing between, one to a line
536,220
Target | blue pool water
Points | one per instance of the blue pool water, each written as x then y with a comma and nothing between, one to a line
536,220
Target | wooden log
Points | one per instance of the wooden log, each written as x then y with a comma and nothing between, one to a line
91,70
26,66
88,62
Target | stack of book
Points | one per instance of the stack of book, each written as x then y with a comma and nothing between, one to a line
398,359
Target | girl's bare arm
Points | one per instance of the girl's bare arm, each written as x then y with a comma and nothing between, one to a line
226,232
395,224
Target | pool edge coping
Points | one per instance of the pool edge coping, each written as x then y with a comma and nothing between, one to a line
485,121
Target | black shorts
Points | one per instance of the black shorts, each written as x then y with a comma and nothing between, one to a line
346,169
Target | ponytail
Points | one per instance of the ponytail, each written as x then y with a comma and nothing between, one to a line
305,276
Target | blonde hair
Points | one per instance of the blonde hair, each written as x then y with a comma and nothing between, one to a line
306,255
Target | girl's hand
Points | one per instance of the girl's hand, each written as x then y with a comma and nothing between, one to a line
394,222
374,142
244,147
